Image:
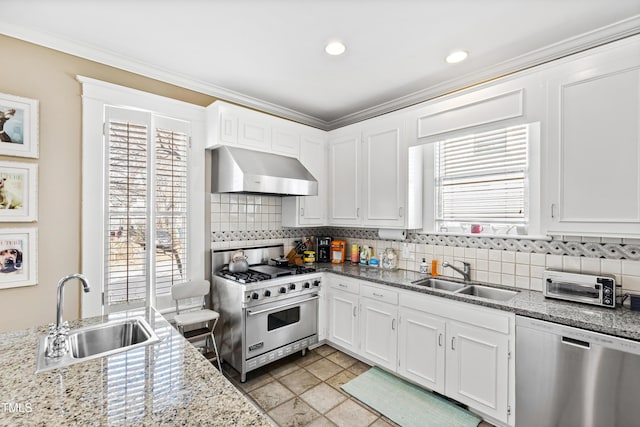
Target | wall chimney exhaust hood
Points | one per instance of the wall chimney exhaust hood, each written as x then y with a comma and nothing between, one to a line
237,170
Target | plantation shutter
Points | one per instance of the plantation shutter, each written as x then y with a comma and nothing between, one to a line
483,177
146,200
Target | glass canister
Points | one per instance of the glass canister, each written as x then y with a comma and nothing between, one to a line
389,259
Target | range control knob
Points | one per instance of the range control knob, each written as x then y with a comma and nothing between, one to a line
292,286
307,285
255,295
283,290
607,301
267,293
607,291
316,283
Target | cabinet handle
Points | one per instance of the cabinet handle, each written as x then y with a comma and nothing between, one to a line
354,310
357,212
440,340
342,285
453,343
400,212
301,211
377,295
393,324
553,207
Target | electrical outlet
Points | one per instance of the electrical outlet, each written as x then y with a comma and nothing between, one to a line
405,250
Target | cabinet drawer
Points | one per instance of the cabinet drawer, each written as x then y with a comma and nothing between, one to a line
386,295
345,284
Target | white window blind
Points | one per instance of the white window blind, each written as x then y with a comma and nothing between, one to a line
146,199
482,178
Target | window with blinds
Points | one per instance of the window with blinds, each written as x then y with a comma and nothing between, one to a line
146,199
482,179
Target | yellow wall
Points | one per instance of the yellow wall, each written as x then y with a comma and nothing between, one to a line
36,72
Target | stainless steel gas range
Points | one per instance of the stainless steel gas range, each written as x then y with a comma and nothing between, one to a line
267,312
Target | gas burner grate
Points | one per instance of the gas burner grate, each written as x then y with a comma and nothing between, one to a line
249,276
304,270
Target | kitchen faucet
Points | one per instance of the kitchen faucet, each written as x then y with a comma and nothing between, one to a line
466,271
58,333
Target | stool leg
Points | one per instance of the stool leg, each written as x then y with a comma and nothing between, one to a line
215,347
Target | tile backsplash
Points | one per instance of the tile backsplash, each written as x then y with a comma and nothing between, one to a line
239,220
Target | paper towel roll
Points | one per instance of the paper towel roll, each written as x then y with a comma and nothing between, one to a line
387,234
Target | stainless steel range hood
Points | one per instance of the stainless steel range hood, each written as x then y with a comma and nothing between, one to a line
236,170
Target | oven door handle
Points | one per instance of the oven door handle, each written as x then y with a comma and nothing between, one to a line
254,313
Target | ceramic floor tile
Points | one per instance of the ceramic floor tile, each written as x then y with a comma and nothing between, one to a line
255,380
271,395
286,369
340,379
342,359
350,414
383,422
293,413
299,381
323,369
323,397
324,350
308,359
321,422
358,368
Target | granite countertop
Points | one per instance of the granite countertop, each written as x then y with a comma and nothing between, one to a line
169,383
620,322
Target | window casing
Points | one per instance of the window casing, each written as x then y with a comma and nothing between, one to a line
481,182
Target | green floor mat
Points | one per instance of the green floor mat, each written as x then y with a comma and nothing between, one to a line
406,404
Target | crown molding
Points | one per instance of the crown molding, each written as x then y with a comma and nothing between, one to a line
582,42
616,31
116,60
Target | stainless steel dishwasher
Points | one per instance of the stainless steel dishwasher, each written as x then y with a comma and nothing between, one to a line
569,377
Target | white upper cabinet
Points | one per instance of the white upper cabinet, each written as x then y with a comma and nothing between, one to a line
369,173
385,173
593,153
344,176
310,210
285,138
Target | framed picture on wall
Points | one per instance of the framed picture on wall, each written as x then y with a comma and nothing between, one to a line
18,126
18,257
18,192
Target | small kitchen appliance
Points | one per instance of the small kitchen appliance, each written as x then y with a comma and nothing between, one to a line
585,288
323,254
337,251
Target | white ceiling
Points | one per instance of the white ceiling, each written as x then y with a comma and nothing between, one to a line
273,51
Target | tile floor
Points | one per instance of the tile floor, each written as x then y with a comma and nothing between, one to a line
305,391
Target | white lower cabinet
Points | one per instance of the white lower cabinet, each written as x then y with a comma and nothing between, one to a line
343,313
379,333
421,348
468,359
477,368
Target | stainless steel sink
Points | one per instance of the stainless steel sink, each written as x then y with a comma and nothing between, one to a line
109,338
97,341
488,292
443,285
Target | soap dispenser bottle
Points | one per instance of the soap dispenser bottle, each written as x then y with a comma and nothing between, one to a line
424,267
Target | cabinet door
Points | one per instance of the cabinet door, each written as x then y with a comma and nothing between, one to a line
285,139
477,369
344,204
593,177
343,319
378,331
254,130
323,326
385,173
421,349
313,157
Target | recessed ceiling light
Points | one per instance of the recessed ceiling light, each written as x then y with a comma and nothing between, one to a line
456,56
335,48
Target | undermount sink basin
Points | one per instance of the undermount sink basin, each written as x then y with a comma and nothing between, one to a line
92,342
109,338
488,292
443,285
